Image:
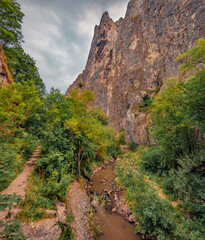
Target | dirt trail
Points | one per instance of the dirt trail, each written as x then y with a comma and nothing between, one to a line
19,184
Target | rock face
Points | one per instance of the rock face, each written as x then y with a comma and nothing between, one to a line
132,57
78,203
5,76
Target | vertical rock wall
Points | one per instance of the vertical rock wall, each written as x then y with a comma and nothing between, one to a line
133,56
5,76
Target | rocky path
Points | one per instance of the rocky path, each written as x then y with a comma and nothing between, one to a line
19,184
78,202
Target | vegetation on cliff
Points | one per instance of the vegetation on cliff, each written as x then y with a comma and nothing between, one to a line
175,164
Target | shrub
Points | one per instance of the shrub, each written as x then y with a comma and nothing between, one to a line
9,162
152,160
66,228
121,137
132,146
11,228
113,150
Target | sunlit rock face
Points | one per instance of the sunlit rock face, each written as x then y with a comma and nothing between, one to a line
5,76
133,56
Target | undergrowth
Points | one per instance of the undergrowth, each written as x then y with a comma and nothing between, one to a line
156,216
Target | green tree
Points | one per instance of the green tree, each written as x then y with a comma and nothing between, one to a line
10,23
18,102
91,136
23,68
178,110
20,64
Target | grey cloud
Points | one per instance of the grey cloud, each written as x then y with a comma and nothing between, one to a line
58,35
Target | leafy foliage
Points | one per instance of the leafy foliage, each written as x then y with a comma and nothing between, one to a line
10,19
178,110
19,103
23,68
66,228
88,126
67,128
156,216
11,228
20,64
132,146
146,103
176,162
152,160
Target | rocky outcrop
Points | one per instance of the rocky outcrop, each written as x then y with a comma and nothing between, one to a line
47,229
132,57
5,76
78,203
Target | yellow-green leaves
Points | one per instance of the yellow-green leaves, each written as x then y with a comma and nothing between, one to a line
194,58
17,103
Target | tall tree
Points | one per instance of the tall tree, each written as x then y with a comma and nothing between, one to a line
179,109
88,125
10,23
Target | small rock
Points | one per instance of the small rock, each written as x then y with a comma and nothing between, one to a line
61,212
114,210
14,212
132,218
51,212
94,203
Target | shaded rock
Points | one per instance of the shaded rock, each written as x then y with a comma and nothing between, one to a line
42,230
49,230
132,218
14,212
94,203
51,212
61,212
114,209
28,230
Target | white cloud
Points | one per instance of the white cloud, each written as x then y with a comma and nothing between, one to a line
58,35
117,10
89,18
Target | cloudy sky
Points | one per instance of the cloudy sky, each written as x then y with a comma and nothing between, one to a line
58,35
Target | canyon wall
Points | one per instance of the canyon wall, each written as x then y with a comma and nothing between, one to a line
5,76
132,57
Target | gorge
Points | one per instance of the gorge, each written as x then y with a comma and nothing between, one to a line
134,56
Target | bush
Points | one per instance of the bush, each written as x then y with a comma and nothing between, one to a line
9,162
132,146
121,137
11,228
156,216
66,228
152,160
113,150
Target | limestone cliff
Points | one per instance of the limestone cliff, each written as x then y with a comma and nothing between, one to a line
131,57
5,76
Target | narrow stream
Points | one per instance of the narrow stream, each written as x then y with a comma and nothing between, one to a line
113,226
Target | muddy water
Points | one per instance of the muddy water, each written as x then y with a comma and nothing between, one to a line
103,179
113,226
